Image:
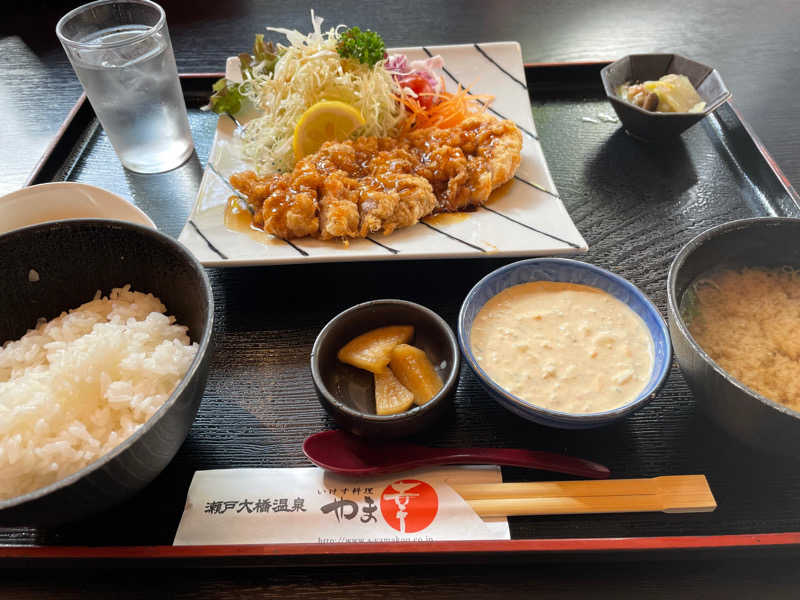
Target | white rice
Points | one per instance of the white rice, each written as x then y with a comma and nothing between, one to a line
74,388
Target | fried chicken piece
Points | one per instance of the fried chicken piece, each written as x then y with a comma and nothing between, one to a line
278,210
465,163
355,188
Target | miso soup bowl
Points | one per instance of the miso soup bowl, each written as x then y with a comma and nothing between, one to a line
747,415
566,271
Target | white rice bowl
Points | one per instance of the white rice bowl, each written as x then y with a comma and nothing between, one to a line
75,387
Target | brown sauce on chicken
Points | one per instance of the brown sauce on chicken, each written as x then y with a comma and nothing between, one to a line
355,188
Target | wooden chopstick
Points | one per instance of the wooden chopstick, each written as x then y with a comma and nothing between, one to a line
674,493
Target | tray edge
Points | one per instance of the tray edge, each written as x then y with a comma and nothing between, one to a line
327,554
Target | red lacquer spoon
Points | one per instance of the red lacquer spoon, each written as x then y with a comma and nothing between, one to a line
341,452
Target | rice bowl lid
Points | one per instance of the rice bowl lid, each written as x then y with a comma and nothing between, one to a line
58,201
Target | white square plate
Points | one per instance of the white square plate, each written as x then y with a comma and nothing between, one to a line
525,217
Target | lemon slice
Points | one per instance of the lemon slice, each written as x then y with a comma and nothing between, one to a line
322,122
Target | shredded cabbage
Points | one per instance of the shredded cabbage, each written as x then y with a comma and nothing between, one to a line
310,70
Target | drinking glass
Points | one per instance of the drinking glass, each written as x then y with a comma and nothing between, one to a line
122,54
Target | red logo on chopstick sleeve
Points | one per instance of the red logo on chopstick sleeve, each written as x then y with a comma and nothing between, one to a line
409,505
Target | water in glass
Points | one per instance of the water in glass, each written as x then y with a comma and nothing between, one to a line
136,94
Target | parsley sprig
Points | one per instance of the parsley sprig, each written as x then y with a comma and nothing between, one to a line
364,46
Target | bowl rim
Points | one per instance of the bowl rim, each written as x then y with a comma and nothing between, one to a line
110,200
203,346
546,414
412,413
709,108
673,303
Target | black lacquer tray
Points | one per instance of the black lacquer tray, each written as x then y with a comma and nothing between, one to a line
636,205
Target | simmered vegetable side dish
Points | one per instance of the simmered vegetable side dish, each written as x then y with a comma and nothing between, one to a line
671,93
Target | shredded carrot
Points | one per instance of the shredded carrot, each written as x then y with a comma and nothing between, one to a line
448,110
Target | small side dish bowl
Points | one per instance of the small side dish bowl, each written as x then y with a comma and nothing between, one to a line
49,268
347,393
566,271
655,126
65,200
744,413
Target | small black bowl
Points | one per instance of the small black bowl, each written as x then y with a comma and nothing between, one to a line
746,414
654,126
72,260
348,394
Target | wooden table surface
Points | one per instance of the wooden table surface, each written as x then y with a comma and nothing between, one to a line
754,46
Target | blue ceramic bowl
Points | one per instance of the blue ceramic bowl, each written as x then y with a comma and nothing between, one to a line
567,271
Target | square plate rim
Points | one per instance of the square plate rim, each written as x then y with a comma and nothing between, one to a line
579,246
